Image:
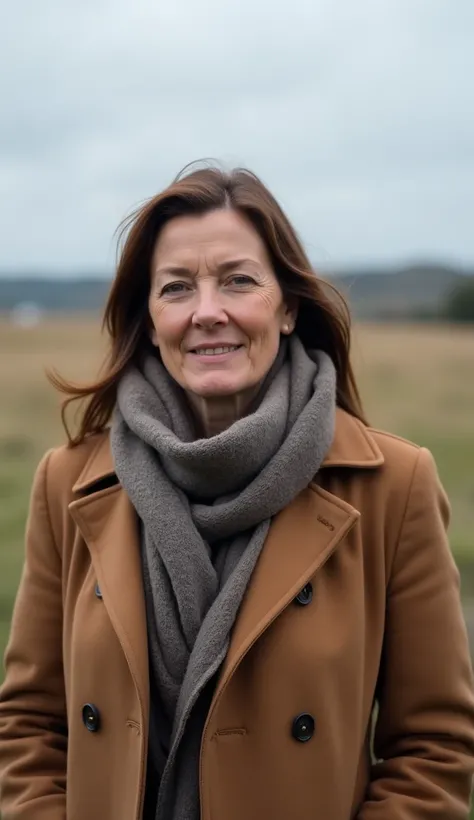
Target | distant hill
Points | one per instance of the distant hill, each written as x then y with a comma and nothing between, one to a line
54,295
407,292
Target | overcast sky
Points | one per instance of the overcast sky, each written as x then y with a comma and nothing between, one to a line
358,115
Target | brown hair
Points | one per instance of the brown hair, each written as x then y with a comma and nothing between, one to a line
323,317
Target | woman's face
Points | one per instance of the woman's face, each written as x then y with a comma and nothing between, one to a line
215,304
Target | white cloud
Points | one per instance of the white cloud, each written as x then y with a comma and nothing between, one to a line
358,116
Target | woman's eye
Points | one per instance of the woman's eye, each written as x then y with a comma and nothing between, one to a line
241,279
173,287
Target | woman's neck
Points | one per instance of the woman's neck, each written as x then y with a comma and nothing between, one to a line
214,415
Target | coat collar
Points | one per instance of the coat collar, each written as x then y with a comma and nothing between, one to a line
353,446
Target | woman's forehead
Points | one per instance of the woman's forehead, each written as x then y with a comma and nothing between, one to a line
222,234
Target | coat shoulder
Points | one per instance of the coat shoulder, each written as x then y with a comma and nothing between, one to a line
358,445
408,467
401,458
393,461
406,462
394,447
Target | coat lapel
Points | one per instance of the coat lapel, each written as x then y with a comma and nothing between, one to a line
108,523
300,540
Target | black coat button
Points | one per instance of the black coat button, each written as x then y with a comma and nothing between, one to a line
91,717
98,591
305,596
303,728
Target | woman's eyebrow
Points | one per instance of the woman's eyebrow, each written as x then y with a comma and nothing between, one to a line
174,270
222,267
231,264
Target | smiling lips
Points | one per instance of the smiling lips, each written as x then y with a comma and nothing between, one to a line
215,350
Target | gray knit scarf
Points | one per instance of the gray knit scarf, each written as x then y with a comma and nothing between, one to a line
205,506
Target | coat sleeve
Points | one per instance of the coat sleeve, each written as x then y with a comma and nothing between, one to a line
424,735
33,722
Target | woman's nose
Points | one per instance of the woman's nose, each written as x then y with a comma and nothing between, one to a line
209,310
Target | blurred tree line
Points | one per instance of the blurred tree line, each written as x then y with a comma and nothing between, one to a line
459,305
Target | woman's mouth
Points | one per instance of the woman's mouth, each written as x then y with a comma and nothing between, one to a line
215,351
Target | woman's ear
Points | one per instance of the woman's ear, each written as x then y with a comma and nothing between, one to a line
290,315
151,330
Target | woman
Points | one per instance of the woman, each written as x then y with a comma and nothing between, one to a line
220,587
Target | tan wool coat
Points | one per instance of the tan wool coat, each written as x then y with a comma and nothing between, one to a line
354,600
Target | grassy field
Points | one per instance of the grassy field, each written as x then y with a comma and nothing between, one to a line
417,381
